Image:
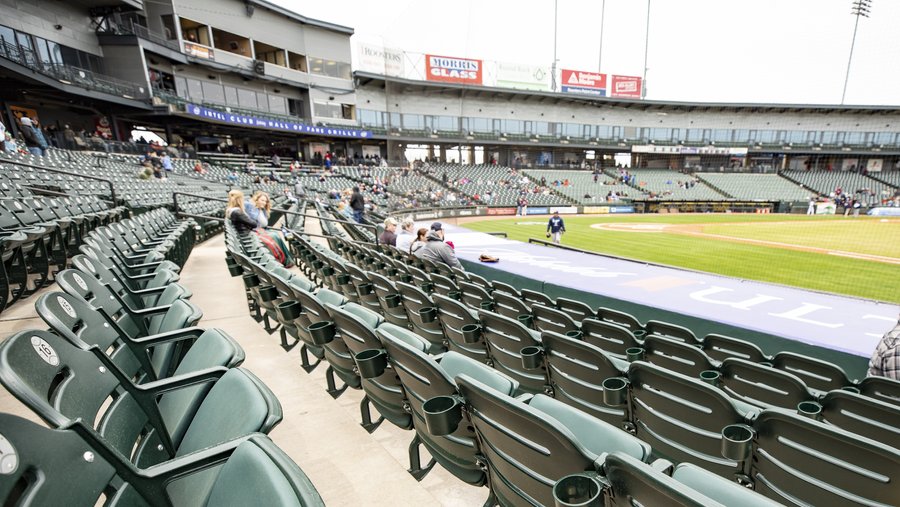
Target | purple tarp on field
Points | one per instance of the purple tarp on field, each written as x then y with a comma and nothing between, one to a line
840,323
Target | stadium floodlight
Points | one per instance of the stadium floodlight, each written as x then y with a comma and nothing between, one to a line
861,8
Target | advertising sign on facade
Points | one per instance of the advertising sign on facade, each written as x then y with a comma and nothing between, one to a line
380,60
523,77
199,51
501,211
576,81
564,210
592,210
874,165
453,70
253,121
537,211
626,86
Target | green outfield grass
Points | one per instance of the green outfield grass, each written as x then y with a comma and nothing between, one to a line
690,246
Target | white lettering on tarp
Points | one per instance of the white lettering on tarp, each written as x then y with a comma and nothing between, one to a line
746,304
878,317
806,309
548,263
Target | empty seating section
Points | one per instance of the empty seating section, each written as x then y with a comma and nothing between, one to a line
581,185
755,187
504,185
673,186
587,383
868,190
143,408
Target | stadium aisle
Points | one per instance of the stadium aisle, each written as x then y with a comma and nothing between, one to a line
323,435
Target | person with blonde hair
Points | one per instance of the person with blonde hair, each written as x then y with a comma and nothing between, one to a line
234,211
259,209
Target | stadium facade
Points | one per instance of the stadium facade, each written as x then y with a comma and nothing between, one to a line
255,74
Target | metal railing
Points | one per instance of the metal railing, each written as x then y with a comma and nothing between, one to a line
112,188
129,27
70,75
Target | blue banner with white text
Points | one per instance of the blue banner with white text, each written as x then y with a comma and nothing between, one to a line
286,126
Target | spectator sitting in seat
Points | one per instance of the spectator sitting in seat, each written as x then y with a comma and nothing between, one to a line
389,237
235,212
419,242
406,236
436,250
259,209
885,360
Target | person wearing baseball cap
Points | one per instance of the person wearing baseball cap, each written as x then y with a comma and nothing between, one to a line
436,250
556,227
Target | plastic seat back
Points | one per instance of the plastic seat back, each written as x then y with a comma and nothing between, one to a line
532,297
388,298
453,315
505,339
619,318
576,370
509,305
881,388
528,447
671,331
676,356
815,373
552,320
762,386
798,461
577,310
720,347
612,338
681,417
414,299
473,295
862,415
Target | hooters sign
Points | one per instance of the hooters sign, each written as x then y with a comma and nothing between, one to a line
453,70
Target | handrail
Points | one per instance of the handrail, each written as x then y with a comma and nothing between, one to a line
112,188
281,210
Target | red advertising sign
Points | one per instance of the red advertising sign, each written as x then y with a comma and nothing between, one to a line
453,70
577,79
626,86
501,211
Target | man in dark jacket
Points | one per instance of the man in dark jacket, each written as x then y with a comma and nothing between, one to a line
436,250
35,143
358,205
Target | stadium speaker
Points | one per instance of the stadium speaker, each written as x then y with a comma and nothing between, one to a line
259,67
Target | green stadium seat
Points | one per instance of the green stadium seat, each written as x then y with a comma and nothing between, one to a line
672,331
611,338
620,318
676,356
53,467
763,386
720,347
453,316
505,338
538,442
553,320
414,300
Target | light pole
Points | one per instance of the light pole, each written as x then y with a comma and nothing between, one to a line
602,16
860,8
555,27
646,48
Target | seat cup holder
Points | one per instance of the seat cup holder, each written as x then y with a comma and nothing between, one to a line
454,294
442,415
391,272
406,277
235,270
526,320
289,310
634,354
810,409
427,287
639,334
371,363
711,377
615,391
487,306
575,334
343,279
471,333
737,440
428,314
577,490
251,280
851,389
392,300
268,293
327,271
317,265
322,332
532,357
364,289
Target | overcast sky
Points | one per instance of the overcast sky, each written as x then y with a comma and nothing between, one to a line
780,51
